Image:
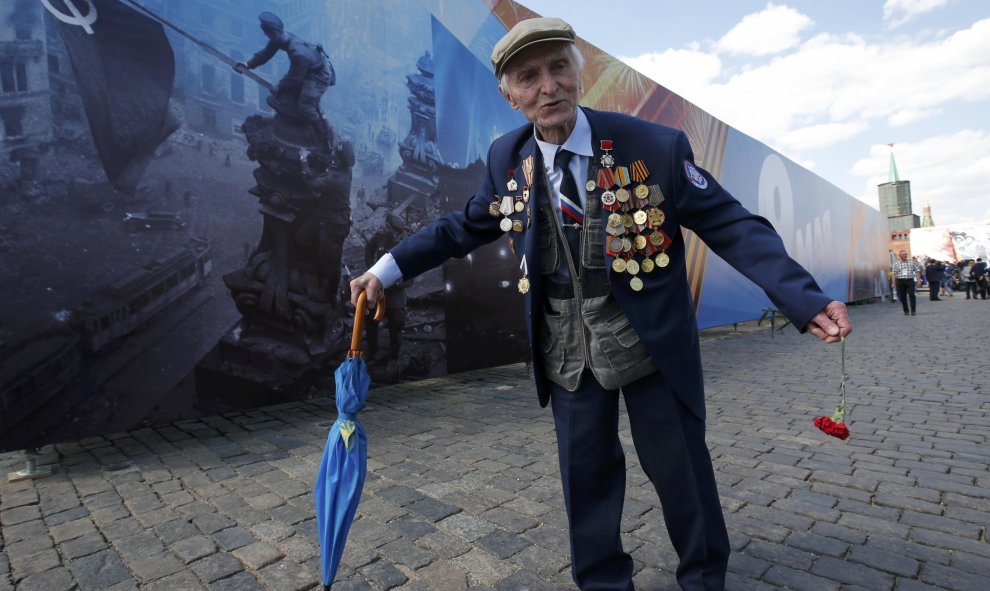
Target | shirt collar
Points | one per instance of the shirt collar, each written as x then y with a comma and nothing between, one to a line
579,142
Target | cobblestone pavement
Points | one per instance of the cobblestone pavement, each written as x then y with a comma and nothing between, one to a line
463,488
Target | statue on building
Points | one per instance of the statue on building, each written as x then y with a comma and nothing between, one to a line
310,74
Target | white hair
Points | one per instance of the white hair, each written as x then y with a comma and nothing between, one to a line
576,57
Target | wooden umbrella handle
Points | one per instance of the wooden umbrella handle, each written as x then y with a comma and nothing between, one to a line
362,304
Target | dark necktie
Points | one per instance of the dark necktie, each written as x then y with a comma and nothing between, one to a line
571,212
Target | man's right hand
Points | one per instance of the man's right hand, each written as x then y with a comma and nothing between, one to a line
370,284
241,67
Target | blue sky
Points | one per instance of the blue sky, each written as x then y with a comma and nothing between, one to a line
827,83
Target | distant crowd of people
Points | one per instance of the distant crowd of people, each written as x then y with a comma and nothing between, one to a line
943,278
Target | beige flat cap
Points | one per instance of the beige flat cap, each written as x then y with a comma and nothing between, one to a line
526,33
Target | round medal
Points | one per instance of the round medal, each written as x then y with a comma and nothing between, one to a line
505,225
608,198
622,195
639,242
642,191
615,245
517,225
520,206
618,265
626,245
589,186
632,267
656,238
636,284
615,220
647,265
523,284
663,260
493,209
639,217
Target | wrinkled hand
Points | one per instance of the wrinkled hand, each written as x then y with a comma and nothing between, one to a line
831,323
370,284
240,67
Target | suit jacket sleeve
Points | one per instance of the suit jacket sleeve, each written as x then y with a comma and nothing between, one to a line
745,240
453,235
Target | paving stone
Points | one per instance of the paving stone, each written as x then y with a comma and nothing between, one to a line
100,571
240,582
180,581
154,566
193,548
405,553
502,543
383,575
216,566
233,538
57,579
257,555
287,576
83,546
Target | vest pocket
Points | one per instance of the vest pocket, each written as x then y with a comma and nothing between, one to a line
620,344
593,254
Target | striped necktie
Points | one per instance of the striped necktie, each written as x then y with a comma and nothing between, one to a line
571,212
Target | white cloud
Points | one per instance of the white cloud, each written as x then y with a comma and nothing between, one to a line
832,85
951,172
773,30
898,12
681,70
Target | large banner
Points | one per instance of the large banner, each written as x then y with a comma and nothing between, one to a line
954,243
178,230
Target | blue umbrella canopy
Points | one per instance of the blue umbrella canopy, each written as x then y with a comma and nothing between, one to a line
342,472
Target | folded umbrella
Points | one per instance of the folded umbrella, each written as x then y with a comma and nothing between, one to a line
340,479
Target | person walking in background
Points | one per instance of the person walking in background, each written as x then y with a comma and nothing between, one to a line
905,272
967,284
948,279
933,273
979,276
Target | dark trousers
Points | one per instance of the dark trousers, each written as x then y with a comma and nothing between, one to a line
905,291
670,443
933,287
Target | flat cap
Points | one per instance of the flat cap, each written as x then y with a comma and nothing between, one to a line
526,33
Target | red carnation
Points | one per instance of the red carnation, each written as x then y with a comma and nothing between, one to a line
835,429
835,425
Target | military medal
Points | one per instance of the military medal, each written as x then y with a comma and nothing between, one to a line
618,265
517,225
524,280
622,195
636,284
520,206
589,186
526,194
614,246
655,218
527,167
663,260
656,195
512,185
639,175
607,160
505,225
493,208
647,265
608,200
639,217
640,242
632,267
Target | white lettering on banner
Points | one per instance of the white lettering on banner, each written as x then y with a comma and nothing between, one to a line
776,200
812,245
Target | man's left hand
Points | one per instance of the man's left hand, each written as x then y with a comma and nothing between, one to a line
831,323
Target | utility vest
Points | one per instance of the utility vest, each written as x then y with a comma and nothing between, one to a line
583,326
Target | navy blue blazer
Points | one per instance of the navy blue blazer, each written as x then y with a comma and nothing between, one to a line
662,313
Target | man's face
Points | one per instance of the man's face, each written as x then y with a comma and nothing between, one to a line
543,81
903,255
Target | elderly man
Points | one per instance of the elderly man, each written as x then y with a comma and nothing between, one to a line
606,297
905,271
